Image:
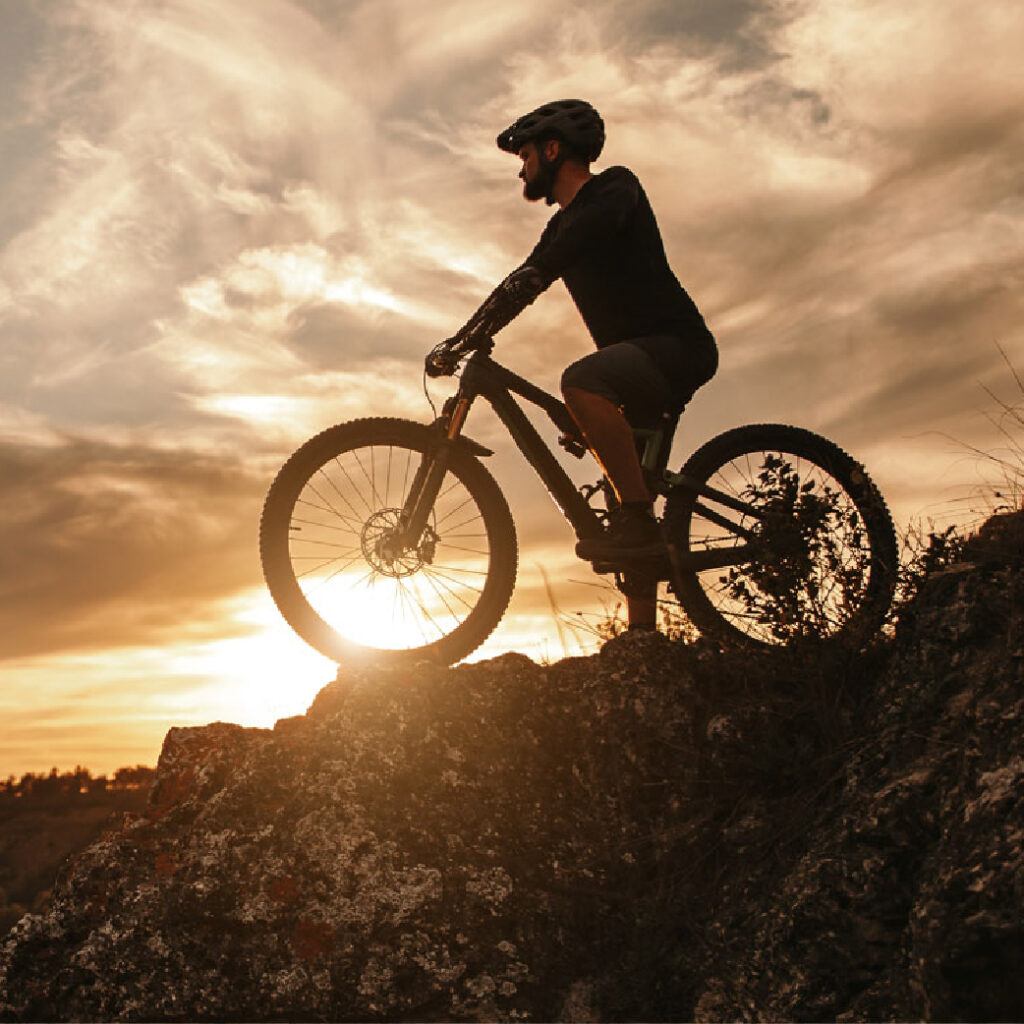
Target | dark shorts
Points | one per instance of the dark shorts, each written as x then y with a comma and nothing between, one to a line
645,377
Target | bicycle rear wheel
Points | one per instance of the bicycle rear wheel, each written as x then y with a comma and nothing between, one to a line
826,553
339,570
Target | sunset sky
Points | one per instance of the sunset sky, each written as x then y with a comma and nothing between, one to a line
228,224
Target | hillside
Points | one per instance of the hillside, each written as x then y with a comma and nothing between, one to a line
46,818
659,831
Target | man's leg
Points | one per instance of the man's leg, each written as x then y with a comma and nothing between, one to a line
643,611
610,437
596,387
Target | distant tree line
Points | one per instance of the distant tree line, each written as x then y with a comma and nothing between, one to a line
48,818
76,787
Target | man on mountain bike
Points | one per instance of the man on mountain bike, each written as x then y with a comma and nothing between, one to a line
653,347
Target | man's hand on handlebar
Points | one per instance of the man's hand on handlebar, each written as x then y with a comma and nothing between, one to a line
444,358
440,362
505,303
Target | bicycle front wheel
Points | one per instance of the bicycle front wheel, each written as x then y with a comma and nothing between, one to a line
342,573
824,561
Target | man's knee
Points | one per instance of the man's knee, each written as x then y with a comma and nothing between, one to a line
573,378
580,378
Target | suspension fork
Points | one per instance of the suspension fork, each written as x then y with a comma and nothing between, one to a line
427,481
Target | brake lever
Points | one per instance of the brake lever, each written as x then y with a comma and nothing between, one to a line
441,360
444,358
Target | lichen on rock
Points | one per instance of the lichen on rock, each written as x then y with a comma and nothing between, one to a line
659,831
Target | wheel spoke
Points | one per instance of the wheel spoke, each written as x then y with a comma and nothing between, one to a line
352,567
337,490
820,547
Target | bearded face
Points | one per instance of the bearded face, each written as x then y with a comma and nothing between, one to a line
538,172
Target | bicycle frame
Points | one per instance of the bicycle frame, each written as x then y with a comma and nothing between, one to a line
483,377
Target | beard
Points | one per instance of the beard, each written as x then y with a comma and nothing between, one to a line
541,185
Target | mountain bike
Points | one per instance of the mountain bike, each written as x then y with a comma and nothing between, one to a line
389,538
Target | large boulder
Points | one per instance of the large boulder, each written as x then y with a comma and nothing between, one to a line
441,843
660,831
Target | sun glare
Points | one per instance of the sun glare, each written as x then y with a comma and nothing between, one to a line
388,614
256,678
260,409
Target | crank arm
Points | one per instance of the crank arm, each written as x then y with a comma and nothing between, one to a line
698,561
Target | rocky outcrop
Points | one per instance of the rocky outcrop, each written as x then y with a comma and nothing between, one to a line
444,843
904,900
660,831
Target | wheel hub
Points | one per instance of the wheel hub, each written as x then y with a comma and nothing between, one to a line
385,549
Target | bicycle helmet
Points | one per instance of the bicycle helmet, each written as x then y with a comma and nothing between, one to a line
576,122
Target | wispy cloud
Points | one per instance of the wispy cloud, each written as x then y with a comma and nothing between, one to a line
108,544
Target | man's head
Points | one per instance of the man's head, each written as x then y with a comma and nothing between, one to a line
544,139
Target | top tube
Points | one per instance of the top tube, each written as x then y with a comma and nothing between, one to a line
483,376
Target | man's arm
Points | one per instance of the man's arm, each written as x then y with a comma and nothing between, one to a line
502,306
555,252
505,303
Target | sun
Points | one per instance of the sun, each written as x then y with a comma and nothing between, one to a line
260,672
391,612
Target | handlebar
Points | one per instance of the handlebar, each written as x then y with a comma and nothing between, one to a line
444,358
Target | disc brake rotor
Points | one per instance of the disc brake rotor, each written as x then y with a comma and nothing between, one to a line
385,549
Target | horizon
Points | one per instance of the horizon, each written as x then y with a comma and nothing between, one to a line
225,227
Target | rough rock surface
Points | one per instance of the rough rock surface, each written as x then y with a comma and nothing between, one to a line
660,831
903,900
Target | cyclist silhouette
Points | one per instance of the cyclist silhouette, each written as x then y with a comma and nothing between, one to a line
653,347
387,538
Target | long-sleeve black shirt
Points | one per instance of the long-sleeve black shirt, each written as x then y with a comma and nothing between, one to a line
605,245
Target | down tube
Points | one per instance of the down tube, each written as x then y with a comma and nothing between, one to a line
582,517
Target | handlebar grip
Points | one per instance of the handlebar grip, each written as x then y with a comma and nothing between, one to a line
443,359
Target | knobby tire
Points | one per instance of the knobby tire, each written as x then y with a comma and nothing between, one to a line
323,547
834,583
